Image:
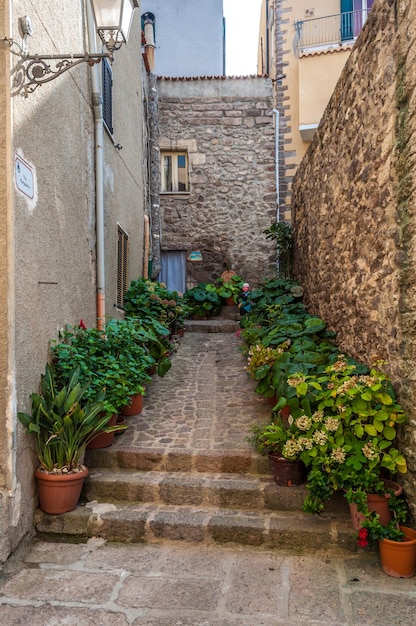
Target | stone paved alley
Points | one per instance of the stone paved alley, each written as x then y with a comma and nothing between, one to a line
203,407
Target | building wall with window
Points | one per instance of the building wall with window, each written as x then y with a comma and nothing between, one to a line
189,37
354,209
311,43
48,232
218,204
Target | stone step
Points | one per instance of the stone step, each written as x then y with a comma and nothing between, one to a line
294,533
214,325
180,488
179,460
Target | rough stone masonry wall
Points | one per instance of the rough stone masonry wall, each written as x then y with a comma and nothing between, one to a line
226,126
354,207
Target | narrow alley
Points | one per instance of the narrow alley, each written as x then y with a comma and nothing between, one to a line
191,439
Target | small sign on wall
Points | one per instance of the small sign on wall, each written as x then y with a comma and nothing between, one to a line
24,177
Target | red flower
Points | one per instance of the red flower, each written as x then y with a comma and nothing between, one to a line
363,537
82,325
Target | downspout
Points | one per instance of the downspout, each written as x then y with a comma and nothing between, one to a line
99,171
276,159
276,165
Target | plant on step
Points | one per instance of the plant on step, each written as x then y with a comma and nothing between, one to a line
345,425
230,287
272,437
372,530
203,300
63,422
260,363
147,299
112,361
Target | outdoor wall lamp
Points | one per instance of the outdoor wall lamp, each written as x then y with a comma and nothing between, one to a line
113,20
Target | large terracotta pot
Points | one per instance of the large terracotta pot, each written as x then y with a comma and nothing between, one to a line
135,407
59,493
103,440
377,503
398,558
285,472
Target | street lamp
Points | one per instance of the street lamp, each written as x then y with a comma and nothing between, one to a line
113,20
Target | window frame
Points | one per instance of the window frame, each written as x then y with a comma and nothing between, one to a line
174,154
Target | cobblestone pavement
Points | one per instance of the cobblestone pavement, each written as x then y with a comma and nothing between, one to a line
205,401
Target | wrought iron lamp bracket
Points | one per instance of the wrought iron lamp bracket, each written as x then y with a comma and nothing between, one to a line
31,71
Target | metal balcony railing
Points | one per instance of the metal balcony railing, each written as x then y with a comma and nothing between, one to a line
332,29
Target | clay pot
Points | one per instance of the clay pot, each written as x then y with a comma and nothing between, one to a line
135,407
103,440
398,558
59,493
377,503
285,472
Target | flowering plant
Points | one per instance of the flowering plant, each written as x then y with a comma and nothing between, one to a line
344,425
270,438
372,530
147,299
261,358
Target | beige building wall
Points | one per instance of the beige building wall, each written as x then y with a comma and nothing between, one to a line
48,232
304,79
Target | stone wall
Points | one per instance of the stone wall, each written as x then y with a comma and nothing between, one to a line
226,127
354,207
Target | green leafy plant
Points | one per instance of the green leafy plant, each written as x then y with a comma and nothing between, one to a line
230,287
345,425
112,361
270,438
372,530
281,233
63,422
147,299
203,300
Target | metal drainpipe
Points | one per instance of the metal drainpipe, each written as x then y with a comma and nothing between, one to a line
99,171
276,162
276,159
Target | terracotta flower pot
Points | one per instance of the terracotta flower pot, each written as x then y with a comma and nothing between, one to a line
377,503
135,407
59,493
398,558
285,472
103,440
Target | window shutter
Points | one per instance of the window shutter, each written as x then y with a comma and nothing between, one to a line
107,95
122,265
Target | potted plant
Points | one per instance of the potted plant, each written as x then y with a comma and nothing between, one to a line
147,299
63,422
203,301
271,439
229,288
397,542
344,426
112,360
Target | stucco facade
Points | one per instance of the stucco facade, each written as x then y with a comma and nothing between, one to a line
189,37
304,46
48,234
225,127
354,208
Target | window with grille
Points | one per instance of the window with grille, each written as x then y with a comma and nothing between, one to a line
122,265
107,95
174,172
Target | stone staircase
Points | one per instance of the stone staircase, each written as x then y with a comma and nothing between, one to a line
177,489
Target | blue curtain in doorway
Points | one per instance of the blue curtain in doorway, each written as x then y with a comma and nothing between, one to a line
173,270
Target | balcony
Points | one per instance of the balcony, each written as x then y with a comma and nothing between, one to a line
330,30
